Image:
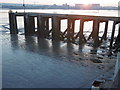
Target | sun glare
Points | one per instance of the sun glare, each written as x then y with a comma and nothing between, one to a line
86,2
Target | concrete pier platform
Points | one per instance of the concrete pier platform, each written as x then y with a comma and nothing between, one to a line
31,62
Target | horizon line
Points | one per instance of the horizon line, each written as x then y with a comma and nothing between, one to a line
58,4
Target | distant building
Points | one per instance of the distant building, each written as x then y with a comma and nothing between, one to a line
78,6
95,6
89,6
65,6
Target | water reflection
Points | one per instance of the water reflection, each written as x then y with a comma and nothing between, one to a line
14,41
48,47
43,43
95,47
56,49
70,49
30,43
81,47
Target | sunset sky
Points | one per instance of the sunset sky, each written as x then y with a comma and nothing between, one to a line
69,2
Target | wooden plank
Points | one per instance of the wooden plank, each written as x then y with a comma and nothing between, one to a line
13,23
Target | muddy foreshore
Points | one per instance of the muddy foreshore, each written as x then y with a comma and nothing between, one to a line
42,63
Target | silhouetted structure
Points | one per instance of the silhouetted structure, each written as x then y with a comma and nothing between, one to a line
69,34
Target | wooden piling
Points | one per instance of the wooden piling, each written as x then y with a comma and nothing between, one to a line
105,31
13,23
29,25
42,26
70,29
46,27
112,35
26,24
32,25
56,23
80,33
95,31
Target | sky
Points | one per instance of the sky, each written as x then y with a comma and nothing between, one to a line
69,2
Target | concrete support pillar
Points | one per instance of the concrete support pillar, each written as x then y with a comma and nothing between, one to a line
13,23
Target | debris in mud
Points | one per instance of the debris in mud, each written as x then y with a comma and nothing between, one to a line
100,57
103,47
93,51
96,61
100,67
103,54
97,83
80,58
75,53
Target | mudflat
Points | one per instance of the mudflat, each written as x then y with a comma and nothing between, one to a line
32,62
